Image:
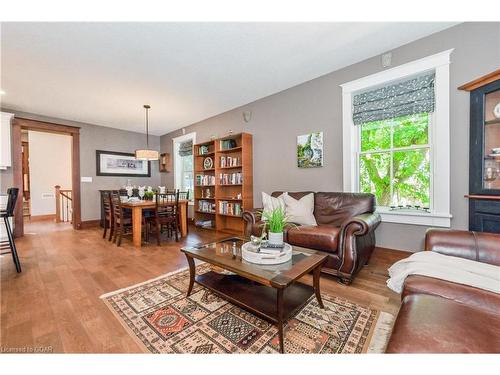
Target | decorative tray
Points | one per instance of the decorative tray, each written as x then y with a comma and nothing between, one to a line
254,254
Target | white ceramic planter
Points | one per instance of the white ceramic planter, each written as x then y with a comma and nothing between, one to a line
275,238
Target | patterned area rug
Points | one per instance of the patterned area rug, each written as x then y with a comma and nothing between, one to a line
162,319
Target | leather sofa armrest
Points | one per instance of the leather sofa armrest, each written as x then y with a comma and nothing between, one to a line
481,247
468,295
252,218
356,242
361,224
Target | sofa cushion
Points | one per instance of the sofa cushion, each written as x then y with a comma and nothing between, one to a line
321,237
335,208
430,324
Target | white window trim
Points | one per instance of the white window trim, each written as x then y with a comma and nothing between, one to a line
175,141
439,138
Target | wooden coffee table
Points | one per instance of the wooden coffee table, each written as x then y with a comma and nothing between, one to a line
271,292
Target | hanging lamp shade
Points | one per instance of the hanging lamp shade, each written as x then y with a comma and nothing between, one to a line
147,153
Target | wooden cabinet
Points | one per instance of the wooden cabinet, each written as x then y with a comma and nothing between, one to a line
484,153
5,140
165,162
223,182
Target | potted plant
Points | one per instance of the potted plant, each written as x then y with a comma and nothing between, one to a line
149,195
276,221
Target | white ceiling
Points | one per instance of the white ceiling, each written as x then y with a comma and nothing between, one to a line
102,73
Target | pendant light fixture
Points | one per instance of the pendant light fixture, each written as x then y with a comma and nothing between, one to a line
147,154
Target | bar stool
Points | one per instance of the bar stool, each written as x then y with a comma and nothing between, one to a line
9,212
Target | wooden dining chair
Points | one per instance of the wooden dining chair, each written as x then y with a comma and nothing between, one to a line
122,220
164,216
108,216
5,215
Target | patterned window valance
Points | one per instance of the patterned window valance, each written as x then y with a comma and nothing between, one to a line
404,98
186,148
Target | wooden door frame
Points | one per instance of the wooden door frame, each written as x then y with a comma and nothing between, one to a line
20,124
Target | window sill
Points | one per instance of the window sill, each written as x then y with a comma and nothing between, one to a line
433,219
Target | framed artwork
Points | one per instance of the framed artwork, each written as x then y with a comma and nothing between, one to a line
121,164
310,150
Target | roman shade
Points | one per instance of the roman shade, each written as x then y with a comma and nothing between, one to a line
409,97
186,148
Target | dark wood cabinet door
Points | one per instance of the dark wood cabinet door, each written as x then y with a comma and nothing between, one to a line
479,150
484,215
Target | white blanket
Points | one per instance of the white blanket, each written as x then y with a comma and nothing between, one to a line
454,269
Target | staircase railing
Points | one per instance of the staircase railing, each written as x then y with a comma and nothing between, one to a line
64,205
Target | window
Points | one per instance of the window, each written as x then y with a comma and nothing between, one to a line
398,148
394,160
184,164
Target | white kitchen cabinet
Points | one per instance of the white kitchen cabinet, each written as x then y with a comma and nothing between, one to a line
5,141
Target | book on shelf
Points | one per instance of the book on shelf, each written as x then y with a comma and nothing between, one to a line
205,179
204,223
229,208
231,178
227,144
206,206
229,161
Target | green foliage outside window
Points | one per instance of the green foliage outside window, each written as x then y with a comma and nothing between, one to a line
394,162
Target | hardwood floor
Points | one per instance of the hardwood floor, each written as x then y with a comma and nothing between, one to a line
55,301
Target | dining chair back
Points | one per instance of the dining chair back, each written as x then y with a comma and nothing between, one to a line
122,221
165,215
6,214
108,215
183,195
165,203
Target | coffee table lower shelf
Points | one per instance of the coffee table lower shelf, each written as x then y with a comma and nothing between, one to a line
257,298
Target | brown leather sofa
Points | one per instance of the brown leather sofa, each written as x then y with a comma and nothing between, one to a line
345,230
438,316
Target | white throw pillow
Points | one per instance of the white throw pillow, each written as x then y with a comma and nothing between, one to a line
300,211
270,203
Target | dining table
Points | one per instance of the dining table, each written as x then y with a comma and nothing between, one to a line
137,208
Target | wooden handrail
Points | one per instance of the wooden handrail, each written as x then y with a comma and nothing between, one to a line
64,193
64,196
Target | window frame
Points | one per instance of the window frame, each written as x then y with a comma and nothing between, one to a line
439,138
175,151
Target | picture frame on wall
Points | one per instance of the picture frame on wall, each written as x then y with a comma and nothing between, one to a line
310,150
121,164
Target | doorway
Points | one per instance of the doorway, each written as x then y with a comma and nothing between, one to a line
46,176
24,172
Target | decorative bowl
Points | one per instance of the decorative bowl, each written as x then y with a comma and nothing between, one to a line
252,254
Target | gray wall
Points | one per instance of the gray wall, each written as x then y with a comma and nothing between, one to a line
92,138
316,106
